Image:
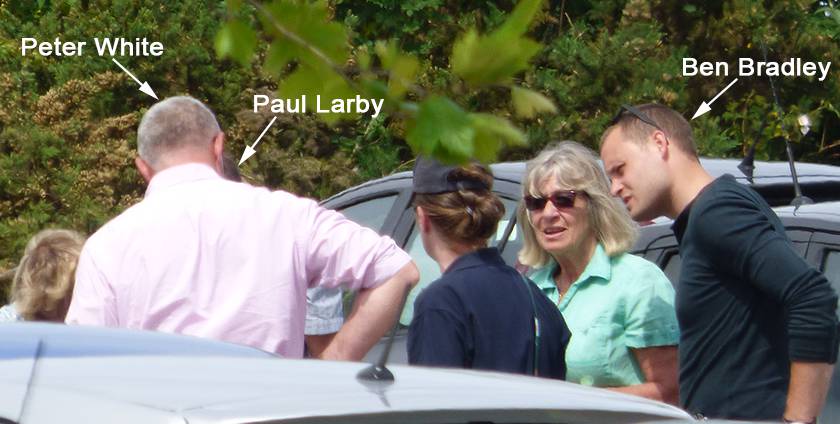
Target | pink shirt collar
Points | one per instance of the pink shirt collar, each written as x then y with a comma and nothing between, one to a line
180,174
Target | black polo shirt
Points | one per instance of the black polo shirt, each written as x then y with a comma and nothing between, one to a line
479,314
747,306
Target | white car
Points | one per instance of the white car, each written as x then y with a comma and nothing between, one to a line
59,374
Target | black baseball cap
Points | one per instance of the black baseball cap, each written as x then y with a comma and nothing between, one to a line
433,177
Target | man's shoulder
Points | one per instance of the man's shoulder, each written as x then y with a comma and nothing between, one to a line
725,188
726,199
117,224
164,208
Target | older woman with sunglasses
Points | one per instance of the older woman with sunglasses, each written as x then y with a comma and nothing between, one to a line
619,307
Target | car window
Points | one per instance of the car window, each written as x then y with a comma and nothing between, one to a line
370,213
429,269
671,266
831,269
514,242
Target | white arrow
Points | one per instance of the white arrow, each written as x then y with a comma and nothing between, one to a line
144,86
705,107
250,150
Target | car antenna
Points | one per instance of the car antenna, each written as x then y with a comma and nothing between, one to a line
747,165
378,372
798,199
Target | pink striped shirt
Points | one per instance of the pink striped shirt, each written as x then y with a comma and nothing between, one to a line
212,258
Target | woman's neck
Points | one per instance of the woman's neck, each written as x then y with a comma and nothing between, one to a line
571,265
446,253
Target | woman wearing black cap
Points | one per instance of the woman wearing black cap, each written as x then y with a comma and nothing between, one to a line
481,313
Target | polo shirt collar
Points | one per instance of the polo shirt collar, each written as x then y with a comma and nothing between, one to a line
180,174
481,257
598,268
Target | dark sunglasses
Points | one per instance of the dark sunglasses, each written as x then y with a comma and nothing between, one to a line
637,113
560,199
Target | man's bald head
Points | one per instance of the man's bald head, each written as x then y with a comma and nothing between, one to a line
177,124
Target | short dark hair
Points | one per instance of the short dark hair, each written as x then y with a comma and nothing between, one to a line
229,169
669,121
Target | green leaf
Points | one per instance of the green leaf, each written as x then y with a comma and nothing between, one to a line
402,67
403,73
528,103
237,41
521,17
375,89
363,58
387,52
233,5
463,50
495,58
491,60
279,55
491,133
311,25
315,82
442,130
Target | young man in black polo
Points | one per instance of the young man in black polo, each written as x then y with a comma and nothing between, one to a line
757,323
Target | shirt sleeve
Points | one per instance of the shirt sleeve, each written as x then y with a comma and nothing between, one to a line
324,311
436,338
342,252
651,319
743,242
93,301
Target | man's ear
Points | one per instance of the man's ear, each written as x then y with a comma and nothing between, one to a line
144,168
662,144
219,151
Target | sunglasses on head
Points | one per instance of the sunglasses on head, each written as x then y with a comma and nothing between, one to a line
637,113
560,199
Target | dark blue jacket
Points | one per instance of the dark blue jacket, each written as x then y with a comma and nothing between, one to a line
480,315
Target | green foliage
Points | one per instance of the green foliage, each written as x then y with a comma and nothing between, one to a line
497,57
316,47
236,40
441,129
529,103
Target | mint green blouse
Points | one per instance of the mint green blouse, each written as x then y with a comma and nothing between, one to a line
616,304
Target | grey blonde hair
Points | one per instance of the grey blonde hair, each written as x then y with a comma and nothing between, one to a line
44,280
575,167
173,124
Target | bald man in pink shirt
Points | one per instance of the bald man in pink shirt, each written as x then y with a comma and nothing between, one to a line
209,257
